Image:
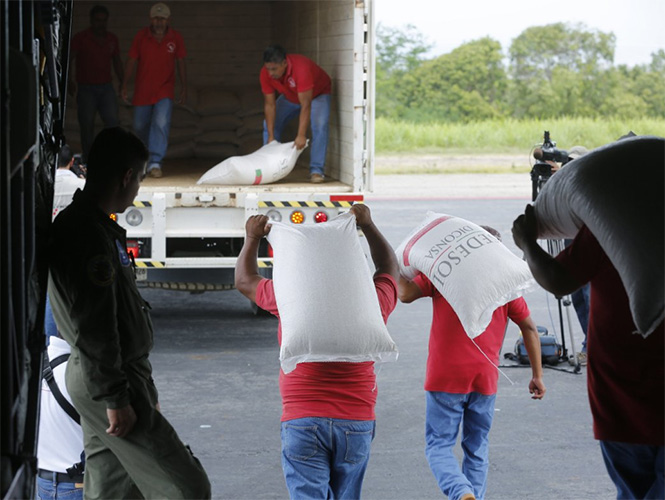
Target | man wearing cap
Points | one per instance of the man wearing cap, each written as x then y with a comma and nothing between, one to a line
93,51
304,90
154,53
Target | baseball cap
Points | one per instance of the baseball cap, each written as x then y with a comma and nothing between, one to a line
577,151
160,10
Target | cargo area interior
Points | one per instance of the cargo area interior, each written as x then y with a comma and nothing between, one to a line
223,114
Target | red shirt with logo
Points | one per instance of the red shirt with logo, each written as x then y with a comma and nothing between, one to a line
331,390
454,363
94,57
155,68
625,372
302,74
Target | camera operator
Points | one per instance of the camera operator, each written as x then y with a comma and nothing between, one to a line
67,182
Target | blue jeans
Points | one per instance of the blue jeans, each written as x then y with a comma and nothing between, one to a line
319,121
91,99
635,469
325,457
152,124
445,412
52,490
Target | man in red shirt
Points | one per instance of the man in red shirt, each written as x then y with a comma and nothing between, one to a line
328,419
92,53
304,90
154,53
461,384
626,372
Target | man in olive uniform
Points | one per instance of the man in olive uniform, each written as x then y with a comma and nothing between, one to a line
99,311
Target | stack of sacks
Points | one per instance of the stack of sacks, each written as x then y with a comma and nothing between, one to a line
250,130
617,192
217,108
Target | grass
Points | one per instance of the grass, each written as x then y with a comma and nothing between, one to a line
490,146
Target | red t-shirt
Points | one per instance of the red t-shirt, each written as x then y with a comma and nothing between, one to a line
454,363
331,390
94,57
302,74
625,374
155,68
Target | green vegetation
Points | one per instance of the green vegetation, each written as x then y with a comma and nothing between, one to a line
552,71
509,136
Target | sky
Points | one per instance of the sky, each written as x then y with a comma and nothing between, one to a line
637,24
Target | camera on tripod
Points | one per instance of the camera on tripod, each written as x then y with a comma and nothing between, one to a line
541,170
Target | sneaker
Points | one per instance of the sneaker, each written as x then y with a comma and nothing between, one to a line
155,172
316,178
581,357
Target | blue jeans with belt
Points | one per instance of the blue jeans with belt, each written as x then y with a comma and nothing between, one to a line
52,489
444,415
325,457
319,121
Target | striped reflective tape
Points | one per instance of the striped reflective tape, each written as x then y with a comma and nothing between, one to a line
265,263
142,204
304,204
149,263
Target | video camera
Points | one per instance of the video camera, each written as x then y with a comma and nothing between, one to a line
542,170
77,167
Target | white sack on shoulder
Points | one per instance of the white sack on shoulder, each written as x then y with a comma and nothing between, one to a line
617,192
327,302
469,267
271,163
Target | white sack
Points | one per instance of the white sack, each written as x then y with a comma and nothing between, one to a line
325,294
471,269
617,192
272,162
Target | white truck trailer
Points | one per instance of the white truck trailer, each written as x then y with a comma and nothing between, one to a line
186,236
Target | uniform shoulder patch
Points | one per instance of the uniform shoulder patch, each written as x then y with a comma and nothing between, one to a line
122,254
100,270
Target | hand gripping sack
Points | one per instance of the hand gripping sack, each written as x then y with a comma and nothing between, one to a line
471,269
327,302
271,163
617,192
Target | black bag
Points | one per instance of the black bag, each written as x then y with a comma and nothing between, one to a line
550,349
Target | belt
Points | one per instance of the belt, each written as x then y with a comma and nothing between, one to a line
60,477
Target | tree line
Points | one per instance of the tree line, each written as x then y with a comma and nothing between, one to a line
552,71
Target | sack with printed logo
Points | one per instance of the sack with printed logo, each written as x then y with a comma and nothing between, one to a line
469,267
327,302
271,163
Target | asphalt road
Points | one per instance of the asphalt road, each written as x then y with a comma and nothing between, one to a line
216,366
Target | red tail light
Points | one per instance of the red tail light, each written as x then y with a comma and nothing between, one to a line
321,217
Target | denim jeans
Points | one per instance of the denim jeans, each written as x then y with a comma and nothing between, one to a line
445,412
152,124
325,457
319,121
635,469
91,99
51,490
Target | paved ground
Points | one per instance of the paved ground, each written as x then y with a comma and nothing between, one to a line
451,186
216,367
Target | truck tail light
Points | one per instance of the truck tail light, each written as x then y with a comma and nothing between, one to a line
270,252
133,248
321,217
297,217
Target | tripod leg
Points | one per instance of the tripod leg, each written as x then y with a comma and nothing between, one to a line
576,363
